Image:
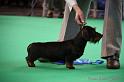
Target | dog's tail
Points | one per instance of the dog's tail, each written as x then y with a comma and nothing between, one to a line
28,48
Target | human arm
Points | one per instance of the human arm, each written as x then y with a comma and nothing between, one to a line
79,17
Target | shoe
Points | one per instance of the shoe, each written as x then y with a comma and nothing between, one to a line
113,62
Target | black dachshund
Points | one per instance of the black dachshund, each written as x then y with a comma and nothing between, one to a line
67,51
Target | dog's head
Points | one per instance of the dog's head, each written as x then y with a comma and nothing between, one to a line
89,33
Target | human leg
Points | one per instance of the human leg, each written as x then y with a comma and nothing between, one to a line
112,35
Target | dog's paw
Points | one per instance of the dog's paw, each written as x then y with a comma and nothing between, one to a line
30,64
71,67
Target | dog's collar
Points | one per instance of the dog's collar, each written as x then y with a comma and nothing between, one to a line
82,25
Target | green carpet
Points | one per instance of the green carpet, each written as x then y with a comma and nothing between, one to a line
17,32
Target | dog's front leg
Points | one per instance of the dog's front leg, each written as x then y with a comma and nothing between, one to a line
69,64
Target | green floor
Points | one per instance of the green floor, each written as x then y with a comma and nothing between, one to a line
16,33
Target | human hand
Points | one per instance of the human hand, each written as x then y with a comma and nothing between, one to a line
79,17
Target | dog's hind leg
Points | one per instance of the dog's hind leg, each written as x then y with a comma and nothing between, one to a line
30,61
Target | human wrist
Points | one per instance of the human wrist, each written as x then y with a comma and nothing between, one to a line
76,8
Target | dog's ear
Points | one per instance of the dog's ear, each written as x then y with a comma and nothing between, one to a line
85,34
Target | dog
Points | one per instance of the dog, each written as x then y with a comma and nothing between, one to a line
67,51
